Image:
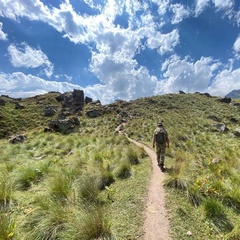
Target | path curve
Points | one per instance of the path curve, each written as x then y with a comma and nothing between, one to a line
156,224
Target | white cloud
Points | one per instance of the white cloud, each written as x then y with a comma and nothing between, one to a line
33,10
27,57
18,84
186,75
219,5
226,81
180,12
164,42
3,36
163,6
200,6
223,4
236,47
124,77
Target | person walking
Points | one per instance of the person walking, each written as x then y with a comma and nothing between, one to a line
161,141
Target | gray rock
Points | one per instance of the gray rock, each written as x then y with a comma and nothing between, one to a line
65,125
49,111
18,139
19,106
93,113
221,127
225,100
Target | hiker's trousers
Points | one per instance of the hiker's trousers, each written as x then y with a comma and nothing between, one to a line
160,151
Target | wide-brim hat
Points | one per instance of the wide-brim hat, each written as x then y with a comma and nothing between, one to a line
160,124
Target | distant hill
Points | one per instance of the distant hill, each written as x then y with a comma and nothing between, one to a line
234,94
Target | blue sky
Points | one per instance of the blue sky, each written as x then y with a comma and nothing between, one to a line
116,49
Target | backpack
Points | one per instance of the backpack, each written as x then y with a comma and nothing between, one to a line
160,136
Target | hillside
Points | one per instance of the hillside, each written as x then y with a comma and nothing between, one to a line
60,182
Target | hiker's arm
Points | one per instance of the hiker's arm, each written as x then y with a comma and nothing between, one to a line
167,141
154,141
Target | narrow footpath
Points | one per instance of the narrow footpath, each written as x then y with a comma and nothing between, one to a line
156,224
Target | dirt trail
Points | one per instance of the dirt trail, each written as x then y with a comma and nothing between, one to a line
156,224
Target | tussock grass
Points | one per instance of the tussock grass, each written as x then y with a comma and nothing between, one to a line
7,225
6,189
124,170
90,223
47,221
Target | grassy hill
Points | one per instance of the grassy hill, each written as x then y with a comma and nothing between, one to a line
92,183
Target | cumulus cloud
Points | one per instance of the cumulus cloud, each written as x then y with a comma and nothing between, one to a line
219,5
3,36
33,10
185,75
225,82
27,57
180,12
223,4
19,84
164,42
125,78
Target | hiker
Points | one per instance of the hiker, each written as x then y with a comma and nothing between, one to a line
160,139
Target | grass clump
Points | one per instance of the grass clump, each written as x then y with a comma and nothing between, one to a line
88,189
7,225
26,176
47,221
124,170
90,223
6,189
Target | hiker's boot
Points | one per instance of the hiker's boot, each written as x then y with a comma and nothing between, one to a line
162,168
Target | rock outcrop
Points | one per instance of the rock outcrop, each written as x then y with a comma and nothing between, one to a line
65,125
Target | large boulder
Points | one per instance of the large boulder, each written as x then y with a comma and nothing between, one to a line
73,100
49,111
19,106
93,113
88,100
65,125
225,100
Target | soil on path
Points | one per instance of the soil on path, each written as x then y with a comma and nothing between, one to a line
156,225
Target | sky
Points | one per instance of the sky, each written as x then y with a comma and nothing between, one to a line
119,49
